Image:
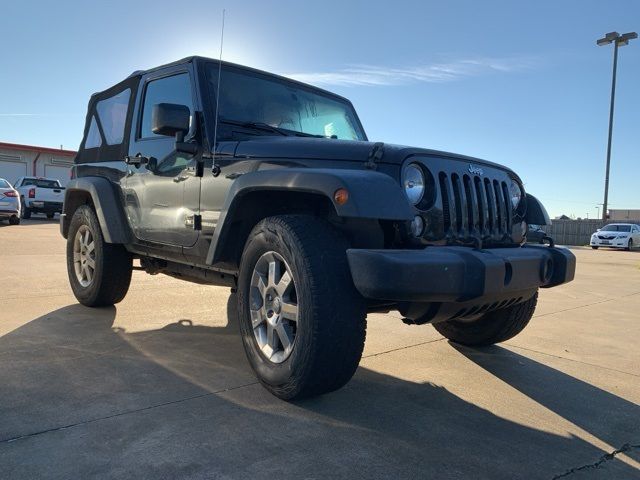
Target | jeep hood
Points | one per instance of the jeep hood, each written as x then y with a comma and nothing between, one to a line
332,149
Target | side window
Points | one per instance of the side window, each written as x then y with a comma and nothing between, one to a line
94,139
112,113
175,89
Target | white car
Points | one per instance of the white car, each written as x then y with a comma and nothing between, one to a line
9,203
617,235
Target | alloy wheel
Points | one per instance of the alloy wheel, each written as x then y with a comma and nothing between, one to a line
273,307
84,255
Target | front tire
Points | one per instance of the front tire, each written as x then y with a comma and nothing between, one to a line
99,272
50,215
595,248
630,245
492,327
15,220
302,321
26,212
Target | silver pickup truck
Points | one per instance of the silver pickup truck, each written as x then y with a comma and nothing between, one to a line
40,195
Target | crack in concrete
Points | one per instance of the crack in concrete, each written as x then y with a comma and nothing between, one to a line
605,458
120,414
587,305
570,359
371,355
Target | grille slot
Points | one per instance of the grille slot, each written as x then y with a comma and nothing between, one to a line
472,205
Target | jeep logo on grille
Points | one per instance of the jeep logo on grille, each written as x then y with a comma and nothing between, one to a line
475,170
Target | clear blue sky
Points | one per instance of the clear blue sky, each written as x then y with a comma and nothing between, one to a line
519,83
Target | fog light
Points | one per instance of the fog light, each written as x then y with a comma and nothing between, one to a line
417,226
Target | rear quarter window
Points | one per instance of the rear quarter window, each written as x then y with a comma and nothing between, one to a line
112,113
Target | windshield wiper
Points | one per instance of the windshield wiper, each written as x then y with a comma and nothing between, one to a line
256,125
270,128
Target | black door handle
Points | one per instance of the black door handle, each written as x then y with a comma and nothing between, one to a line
137,160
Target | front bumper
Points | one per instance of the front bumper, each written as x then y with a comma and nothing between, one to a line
614,242
458,274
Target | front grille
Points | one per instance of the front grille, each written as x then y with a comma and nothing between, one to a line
606,237
475,206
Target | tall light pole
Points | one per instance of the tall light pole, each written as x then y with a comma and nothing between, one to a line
618,41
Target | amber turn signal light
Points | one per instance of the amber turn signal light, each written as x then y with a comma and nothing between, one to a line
341,196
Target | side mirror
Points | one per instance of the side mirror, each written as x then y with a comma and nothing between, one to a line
170,119
597,229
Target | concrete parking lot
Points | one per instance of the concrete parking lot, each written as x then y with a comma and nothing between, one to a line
158,387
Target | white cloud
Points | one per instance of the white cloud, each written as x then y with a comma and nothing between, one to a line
372,75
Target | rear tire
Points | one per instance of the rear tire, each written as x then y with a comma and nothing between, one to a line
15,220
326,339
492,327
50,215
99,272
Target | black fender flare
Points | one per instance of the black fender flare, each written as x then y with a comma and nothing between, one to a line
372,195
536,213
106,203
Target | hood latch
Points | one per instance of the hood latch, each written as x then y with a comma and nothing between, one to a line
375,155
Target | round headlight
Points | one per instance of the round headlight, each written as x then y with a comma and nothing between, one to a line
516,193
413,183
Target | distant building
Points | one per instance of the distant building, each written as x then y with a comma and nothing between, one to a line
23,160
621,215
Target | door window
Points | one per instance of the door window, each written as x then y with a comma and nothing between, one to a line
175,89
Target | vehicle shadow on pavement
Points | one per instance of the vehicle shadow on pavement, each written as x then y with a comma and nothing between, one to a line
606,416
82,398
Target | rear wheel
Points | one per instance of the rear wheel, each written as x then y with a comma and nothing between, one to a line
492,327
50,215
99,272
302,321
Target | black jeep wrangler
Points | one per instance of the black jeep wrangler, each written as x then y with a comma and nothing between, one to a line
221,174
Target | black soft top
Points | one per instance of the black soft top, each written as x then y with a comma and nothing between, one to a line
106,151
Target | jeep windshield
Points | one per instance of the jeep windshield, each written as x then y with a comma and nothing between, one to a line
257,101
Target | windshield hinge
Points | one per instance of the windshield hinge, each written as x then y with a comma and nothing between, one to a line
375,155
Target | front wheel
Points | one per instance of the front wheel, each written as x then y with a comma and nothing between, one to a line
99,272
302,321
492,327
50,215
595,248
26,212
15,220
630,244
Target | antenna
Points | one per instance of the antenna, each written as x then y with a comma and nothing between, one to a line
215,168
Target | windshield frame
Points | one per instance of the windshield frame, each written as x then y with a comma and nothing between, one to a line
208,87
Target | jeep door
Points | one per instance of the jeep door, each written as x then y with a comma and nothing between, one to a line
162,196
